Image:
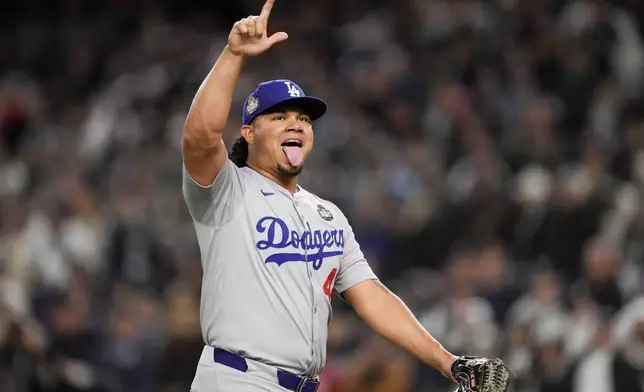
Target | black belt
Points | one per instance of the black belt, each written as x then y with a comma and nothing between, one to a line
290,381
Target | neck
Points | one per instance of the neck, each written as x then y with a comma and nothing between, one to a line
288,182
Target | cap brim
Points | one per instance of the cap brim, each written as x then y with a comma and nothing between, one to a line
314,107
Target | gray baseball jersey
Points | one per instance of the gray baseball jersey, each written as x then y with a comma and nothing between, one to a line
271,260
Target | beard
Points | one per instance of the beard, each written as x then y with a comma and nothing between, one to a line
289,171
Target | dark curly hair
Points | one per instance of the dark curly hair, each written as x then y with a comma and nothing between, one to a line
239,152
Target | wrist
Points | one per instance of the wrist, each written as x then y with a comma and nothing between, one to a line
446,365
233,53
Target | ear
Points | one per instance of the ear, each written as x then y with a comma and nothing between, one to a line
248,132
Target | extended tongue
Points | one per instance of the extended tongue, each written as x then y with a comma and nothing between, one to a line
294,155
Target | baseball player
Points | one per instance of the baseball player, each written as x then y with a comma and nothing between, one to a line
273,253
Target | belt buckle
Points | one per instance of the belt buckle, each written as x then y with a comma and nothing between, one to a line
303,381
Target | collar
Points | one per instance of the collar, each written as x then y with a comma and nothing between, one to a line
272,183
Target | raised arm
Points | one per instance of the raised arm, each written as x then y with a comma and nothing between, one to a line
204,152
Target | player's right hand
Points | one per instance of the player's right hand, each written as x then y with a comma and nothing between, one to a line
248,36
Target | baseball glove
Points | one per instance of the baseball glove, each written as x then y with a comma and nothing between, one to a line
477,374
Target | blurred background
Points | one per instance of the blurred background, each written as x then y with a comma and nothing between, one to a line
488,153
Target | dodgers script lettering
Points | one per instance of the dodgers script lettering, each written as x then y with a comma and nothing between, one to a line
325,243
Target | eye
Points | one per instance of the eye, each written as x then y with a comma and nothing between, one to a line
279,117
305,119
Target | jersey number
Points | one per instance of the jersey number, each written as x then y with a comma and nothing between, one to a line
328,284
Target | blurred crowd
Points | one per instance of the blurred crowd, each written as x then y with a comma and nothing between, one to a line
488,153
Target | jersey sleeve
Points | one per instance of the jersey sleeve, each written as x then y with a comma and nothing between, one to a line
354,268
214,205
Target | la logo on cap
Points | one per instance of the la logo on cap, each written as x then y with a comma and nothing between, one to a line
293,90
252,105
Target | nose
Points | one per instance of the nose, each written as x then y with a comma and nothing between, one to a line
294,126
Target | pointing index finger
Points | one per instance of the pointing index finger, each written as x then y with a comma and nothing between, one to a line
266,10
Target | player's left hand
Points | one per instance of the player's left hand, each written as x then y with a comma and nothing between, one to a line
478,374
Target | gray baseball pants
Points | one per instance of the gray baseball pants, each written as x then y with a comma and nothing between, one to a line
211,376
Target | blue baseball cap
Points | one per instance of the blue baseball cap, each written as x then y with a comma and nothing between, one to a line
277,92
